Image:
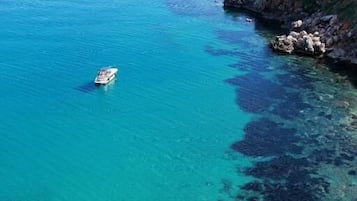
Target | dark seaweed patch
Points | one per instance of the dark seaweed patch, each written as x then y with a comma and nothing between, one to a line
235,37
352,172
292,173
322,155
267,138
256,94
282,167
260,63
257,66
287,178
284,177
329,116
220,52
338,161
253,186
347,157
295,81
253,199
291,108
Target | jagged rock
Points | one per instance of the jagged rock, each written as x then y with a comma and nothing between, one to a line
349,34
308,21
316,39
296,24
321,32
329,42
283,44
300,44
315,22
320,48
334,20
294,34
303,33
328,31
336,53
317,44
335,39
326,18
335,29
309,48
322,39
292,39
259,4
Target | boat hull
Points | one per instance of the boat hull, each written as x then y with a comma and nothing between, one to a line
96,81
102,80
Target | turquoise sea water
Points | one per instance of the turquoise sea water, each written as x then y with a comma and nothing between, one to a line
164,130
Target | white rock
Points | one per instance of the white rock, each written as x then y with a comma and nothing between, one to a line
317,43
309,45
303,33
297,24
315,38
349,34
322,48
294,34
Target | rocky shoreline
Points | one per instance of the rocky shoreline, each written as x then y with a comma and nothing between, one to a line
312,31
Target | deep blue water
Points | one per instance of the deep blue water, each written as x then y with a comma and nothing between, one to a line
201,108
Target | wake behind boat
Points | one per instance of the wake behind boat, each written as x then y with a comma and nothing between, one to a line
105,75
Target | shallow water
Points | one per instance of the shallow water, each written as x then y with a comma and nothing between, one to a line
196,86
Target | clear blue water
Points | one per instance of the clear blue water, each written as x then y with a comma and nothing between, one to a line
159,132
162,131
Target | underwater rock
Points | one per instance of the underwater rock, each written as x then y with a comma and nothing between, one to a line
338,161
267,138
352,172
347,157
253,186
256,94
286,178
253,199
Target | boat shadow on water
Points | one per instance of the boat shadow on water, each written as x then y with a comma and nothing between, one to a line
89,87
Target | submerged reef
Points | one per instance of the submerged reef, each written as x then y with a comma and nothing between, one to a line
302,139
267,138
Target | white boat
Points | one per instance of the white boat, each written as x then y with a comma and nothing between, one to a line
105,75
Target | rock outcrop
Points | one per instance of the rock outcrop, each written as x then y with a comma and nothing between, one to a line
281,10
302,42
312,31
